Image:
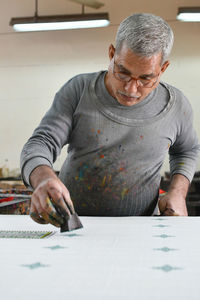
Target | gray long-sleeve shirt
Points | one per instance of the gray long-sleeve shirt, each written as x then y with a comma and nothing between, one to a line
115,152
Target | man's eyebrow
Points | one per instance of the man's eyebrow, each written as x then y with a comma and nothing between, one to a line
123,69
147,75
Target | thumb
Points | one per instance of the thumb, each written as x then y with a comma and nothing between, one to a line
162,203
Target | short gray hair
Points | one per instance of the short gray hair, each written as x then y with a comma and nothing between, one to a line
145,35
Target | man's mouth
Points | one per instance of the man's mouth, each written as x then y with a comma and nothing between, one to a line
128,97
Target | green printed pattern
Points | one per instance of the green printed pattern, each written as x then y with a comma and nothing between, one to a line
165,249
165,268
163,236
9,234
35,266
161,226
56,247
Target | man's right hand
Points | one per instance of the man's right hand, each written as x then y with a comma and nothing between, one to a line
49,193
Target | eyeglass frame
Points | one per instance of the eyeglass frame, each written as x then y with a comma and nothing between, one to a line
138,81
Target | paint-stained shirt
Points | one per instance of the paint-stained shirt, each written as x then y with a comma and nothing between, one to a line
115,152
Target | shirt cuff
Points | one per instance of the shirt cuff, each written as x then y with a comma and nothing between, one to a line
31,165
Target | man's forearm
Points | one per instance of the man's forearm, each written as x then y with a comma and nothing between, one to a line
41,173
175,198
179,185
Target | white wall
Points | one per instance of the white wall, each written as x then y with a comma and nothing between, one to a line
33,66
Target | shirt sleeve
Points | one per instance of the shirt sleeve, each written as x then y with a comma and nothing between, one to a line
53,132
183,154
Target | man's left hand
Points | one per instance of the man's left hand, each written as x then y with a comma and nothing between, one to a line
172,205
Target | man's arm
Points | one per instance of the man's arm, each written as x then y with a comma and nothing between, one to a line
183,155
175,198
41,151
37,158
48,186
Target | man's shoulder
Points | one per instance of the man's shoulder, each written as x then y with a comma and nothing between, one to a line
82,78
173,89
181,102
177,93
74,88
77,83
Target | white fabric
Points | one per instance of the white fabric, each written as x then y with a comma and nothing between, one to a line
110,258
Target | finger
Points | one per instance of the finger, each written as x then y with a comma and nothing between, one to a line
50,219
59,201
62,208
162,204
36,217
69,203
169,212
51,214
68,200
45,211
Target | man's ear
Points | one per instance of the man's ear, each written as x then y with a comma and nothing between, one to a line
165,66
111,51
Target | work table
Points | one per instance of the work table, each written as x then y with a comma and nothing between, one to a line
140,258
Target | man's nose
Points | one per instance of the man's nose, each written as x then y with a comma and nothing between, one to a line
132,86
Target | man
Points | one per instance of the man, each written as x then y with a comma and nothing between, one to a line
119,125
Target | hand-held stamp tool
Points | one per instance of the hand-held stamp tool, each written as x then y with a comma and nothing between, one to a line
71,222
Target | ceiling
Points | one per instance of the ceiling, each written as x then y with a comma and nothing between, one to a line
117,9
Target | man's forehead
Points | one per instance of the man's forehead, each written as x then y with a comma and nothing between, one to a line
141,65
126,55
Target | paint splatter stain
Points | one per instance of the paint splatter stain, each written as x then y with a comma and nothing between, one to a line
103,181
121,169
81,172
124,192
98,131
120,148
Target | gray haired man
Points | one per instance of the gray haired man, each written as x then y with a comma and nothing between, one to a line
119,124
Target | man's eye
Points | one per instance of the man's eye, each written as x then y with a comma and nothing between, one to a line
123,76
145,80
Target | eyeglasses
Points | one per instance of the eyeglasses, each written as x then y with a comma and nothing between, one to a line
147,83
